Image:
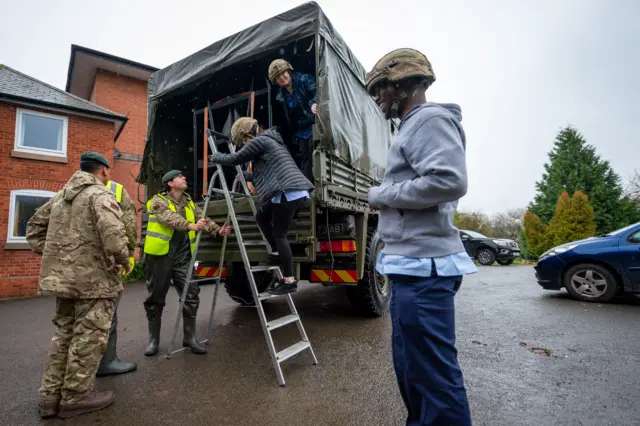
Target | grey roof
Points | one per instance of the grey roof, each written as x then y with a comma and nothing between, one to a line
20,87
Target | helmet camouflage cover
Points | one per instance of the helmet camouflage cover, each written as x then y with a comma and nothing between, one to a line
277,67
242,127
398,65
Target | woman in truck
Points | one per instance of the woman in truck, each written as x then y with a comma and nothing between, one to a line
297,95
280,185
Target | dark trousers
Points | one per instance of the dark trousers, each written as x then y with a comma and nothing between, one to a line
275,221
424,351
159,271
302,153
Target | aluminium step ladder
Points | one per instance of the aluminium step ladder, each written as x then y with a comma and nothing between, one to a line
277,357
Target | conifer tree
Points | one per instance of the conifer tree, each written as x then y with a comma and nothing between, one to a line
573,220
574,166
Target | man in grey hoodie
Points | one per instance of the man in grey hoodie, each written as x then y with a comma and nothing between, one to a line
423,256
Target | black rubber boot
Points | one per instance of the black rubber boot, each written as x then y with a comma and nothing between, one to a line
154,337
189,338
110,363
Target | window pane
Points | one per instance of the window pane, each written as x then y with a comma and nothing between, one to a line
41,132
26,206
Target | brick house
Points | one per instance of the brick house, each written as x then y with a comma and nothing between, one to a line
43,131
119,85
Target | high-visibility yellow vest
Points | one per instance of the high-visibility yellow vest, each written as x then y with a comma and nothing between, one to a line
116,188
158,236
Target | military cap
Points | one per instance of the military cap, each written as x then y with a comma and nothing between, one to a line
170,175
94,156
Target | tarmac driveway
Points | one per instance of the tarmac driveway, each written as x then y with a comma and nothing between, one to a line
529,357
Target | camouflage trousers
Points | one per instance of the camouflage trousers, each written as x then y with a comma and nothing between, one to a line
80,339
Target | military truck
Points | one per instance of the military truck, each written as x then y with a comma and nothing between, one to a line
334,238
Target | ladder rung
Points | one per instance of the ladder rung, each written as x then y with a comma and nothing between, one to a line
231,193
263,268
266,295
205,279
246,218
277,323
292,350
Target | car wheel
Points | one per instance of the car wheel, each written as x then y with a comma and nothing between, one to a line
486,257
505,262
590,283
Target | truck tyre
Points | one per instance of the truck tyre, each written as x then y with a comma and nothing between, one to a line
373,293
237,283
486,257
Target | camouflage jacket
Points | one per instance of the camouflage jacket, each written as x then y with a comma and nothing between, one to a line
177,220
130,221
79,233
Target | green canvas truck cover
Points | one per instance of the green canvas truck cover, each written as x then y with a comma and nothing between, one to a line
350,124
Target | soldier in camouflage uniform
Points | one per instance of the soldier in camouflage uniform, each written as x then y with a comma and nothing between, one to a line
81,238
168,245
110,363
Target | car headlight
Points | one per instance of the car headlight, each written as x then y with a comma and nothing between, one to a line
505,243
557,250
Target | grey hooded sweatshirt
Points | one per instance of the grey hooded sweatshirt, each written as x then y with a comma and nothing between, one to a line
426,174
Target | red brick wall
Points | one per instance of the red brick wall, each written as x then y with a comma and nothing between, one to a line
127,96
19,269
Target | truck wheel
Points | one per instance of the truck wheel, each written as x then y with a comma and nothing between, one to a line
486,257
237,283
590,283
373,293
505,262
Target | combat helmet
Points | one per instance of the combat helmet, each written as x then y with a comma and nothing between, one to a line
397,65
277,67
242,127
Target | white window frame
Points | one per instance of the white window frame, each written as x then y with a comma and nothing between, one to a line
12,209
19,147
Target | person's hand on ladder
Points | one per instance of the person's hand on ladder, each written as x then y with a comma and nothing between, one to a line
225,229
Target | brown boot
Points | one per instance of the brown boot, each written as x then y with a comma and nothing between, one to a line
93,402
49,406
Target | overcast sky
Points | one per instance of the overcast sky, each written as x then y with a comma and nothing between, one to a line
520,70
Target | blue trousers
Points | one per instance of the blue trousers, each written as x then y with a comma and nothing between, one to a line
425,357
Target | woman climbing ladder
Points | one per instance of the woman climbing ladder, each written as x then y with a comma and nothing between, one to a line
280,185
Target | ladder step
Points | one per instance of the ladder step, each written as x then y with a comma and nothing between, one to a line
263,268
277,323
231,193
246,218
205,279
266,295
292,350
